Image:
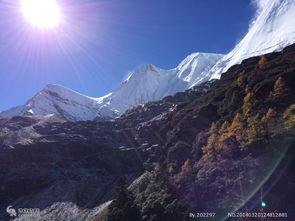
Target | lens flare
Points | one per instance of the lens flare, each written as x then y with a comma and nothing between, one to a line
41,13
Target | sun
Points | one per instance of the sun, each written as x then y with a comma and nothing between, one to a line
41,13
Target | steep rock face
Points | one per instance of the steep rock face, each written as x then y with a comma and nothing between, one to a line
272,30
65,169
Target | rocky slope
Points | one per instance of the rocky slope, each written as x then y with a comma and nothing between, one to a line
73,167
68,169
238,138
200,163
227,151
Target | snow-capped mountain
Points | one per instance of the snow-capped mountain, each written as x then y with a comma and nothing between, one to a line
58,100
271,30
147,83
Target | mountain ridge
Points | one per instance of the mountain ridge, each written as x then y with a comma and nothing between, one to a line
272,30
55,99
146,83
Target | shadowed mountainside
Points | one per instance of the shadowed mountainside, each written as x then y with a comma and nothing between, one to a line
209,149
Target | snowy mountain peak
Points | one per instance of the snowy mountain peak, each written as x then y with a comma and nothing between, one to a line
146,67
272,30
146,83
150,83
62,92
188,59
140,71
197,56
58,100
193,68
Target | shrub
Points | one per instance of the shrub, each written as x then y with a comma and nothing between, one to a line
158,204
247,89
170,169
249,103
237,129
289,115
210,149
224,127
280,87
271,113
185,165
262,62
241,79
255,130
123,207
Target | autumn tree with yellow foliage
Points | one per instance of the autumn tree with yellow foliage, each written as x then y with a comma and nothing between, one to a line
185,165
279,87
249,103
241,79
271,113
262,62
289,116
210,149
238,130
255,130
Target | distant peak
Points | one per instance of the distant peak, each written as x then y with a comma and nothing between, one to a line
142,70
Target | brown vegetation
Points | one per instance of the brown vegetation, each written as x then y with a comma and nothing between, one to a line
262,62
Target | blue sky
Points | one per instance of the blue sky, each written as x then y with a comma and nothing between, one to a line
100,41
